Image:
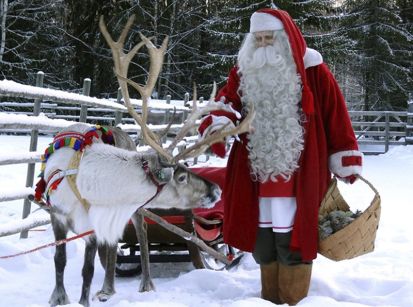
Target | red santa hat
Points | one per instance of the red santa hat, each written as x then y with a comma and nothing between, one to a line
270,19
264,22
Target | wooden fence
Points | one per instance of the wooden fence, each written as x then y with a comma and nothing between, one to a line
45,110
376,131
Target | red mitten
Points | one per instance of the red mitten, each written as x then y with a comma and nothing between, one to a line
206,122
349,179
219,149
209,125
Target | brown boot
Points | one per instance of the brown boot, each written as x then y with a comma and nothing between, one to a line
294,282
269,282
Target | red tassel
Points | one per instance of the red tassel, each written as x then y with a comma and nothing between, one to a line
40,188
89,138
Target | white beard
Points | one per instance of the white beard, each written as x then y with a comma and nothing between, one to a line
269,80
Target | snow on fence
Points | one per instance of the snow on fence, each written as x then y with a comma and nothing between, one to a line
40,122
114,112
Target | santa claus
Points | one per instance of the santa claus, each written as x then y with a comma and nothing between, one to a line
278,173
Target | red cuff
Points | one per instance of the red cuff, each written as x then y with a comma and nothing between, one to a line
351,160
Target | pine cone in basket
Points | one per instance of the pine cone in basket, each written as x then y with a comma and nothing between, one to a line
334,221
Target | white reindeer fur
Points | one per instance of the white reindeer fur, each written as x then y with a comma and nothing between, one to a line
111,180
114,183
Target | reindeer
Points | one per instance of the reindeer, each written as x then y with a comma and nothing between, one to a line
100,187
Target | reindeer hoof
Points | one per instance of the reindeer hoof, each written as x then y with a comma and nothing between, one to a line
59,297
146,287
103,296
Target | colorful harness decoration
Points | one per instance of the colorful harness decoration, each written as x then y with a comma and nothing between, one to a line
77,142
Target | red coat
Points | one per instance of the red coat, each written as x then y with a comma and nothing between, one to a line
328,130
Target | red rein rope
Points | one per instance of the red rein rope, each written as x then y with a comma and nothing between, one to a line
56,243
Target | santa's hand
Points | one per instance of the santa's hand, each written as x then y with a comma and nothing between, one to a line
349,179
213,123
346,165
227,106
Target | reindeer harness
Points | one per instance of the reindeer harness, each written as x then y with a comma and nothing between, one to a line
78,142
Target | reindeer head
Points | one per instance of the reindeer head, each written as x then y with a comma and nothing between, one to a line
187,186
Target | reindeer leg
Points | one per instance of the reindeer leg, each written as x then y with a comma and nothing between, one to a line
88,270
140,227
59,295
108,288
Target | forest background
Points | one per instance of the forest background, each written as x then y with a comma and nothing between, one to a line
366,43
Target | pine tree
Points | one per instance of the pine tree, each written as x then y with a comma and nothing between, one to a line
222,37
32,40
381,56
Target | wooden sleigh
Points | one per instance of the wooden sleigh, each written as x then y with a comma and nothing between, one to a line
166,246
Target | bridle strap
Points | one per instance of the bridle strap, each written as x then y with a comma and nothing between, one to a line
159,186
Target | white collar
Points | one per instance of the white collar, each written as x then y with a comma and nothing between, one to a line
312,58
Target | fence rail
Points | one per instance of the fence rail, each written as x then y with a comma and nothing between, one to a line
379,129
15,118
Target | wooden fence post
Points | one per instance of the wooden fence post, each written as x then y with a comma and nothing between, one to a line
186,99
86,92
409,122
167,114
118,114
186,104
387,131
33,147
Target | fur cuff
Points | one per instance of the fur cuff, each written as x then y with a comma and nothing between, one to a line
346,163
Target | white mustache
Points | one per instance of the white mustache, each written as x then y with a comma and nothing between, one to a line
268,55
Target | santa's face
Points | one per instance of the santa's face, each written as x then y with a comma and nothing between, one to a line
264,38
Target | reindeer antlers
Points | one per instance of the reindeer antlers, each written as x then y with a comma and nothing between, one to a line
121,63
121,66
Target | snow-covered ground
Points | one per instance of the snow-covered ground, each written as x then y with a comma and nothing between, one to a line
381,278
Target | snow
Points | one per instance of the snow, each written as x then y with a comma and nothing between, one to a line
8,118
381,278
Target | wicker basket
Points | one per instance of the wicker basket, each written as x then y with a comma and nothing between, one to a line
358,237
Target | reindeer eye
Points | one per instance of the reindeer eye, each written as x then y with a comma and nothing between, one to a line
182,178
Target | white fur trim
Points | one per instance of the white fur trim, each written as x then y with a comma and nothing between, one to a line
264,22
336,165
312,58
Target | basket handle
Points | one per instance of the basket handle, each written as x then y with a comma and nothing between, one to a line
368,183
